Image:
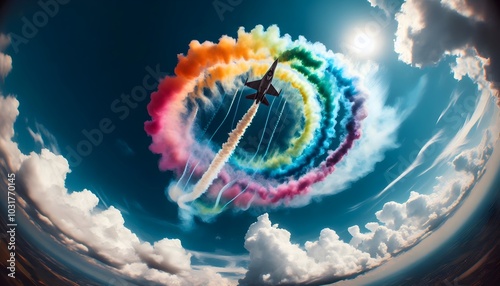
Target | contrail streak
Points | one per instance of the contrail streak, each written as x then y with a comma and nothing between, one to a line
235,198
227,186
225,117
274,131
204,131
236,111
221,157
264,131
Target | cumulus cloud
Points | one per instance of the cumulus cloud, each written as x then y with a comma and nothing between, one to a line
275,260
5,60
473,160
430,30
10,154
84,227
5,65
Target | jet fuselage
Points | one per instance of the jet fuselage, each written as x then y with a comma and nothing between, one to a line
264,86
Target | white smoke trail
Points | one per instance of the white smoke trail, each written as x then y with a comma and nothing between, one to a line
221,158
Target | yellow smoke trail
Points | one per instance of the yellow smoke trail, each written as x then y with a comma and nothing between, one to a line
221,158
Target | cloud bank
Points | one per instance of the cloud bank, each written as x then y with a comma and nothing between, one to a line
84,227
275,259
429,31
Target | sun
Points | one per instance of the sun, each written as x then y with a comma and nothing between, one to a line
362,44
365,43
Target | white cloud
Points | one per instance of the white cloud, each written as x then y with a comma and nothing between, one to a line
5,65
9,151
402,224
88,229
468,63
102,231
473,160
430,30
4,42
165,254
274,259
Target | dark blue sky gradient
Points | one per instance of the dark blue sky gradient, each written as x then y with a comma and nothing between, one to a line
89,54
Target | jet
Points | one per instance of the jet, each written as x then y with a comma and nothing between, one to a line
263,86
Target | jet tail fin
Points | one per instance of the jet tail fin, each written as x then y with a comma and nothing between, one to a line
251,96
264,100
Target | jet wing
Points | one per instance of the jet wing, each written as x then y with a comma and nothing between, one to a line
253,84
272,91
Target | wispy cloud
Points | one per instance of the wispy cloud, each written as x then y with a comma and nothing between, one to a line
455,95
417,162
379,134
460,138
45,138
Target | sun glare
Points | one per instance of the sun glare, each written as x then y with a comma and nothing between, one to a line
363,44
